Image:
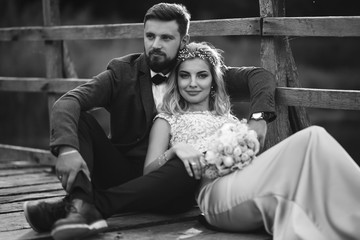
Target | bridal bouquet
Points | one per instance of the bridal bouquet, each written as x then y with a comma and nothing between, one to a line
231,148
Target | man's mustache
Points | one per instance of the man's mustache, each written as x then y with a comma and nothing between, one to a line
156,51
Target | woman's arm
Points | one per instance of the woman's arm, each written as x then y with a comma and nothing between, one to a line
157,153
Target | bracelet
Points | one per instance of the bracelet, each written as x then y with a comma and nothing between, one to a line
67,153
163,158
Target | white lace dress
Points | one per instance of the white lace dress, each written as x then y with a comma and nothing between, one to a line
305,187
195,128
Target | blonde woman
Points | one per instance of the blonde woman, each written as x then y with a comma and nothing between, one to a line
305,187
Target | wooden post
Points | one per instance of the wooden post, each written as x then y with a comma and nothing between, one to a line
298,116
276,56
69,68
53,49
270,55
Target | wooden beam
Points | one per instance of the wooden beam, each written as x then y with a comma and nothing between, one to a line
14,153
270,56
288,96
225,27
312,26
221,27
319,98
49,85
342,26
53,49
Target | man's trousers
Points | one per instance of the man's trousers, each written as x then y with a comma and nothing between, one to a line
117,184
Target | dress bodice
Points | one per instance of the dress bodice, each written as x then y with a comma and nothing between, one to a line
195,128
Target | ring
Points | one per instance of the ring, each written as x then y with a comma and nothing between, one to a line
60,177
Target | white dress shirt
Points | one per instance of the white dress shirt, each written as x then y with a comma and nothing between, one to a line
158,90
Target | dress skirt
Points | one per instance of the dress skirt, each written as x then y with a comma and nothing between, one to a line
305,187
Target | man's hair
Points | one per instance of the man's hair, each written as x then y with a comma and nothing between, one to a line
174,103
169,12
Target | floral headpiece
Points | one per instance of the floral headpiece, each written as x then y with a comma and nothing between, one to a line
185,54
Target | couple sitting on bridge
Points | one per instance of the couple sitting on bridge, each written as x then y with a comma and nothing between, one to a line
165,106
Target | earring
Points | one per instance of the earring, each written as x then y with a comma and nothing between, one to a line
212,92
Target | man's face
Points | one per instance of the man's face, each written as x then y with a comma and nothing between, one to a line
162,42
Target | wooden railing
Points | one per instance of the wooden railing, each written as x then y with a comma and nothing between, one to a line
275,53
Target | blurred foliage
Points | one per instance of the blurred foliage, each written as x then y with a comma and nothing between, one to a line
322,62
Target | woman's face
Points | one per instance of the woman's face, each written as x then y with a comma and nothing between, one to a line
195,81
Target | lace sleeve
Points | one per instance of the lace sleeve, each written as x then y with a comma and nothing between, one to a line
167,117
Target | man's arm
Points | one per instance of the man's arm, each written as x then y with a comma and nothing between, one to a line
252,84
66,111
64,118
257,86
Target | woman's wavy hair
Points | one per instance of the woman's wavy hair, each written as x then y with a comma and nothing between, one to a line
219,101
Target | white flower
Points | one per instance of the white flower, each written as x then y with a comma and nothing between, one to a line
237,151
245,157
228,150
220,147
243,148
211,157
228,161
250,152
231,148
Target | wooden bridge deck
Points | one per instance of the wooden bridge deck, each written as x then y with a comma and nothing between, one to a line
23,180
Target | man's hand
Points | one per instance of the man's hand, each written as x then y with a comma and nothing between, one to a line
260,127
68,165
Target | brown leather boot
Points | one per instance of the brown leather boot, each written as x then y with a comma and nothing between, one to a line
82,220
41,215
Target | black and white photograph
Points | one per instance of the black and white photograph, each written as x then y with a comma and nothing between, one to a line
233,119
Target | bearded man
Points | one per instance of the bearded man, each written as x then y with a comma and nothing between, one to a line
103,175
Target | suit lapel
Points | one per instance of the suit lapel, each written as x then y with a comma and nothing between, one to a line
146,89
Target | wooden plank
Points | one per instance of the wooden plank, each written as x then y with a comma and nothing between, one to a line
13,221
120,222
21,172
225,27
270,57
24,234
319,98
304,97
31,196
342,26
298,116
312,26
220,27
53,49
49,85
9,165
27,189
183,230
13,153
27,180
18,206
126,221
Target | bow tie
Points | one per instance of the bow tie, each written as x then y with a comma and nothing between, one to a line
158,79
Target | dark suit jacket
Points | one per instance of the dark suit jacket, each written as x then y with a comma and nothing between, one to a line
125,90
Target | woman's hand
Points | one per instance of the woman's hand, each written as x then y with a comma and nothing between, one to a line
190,157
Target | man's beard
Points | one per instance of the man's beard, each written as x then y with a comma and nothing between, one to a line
158,66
